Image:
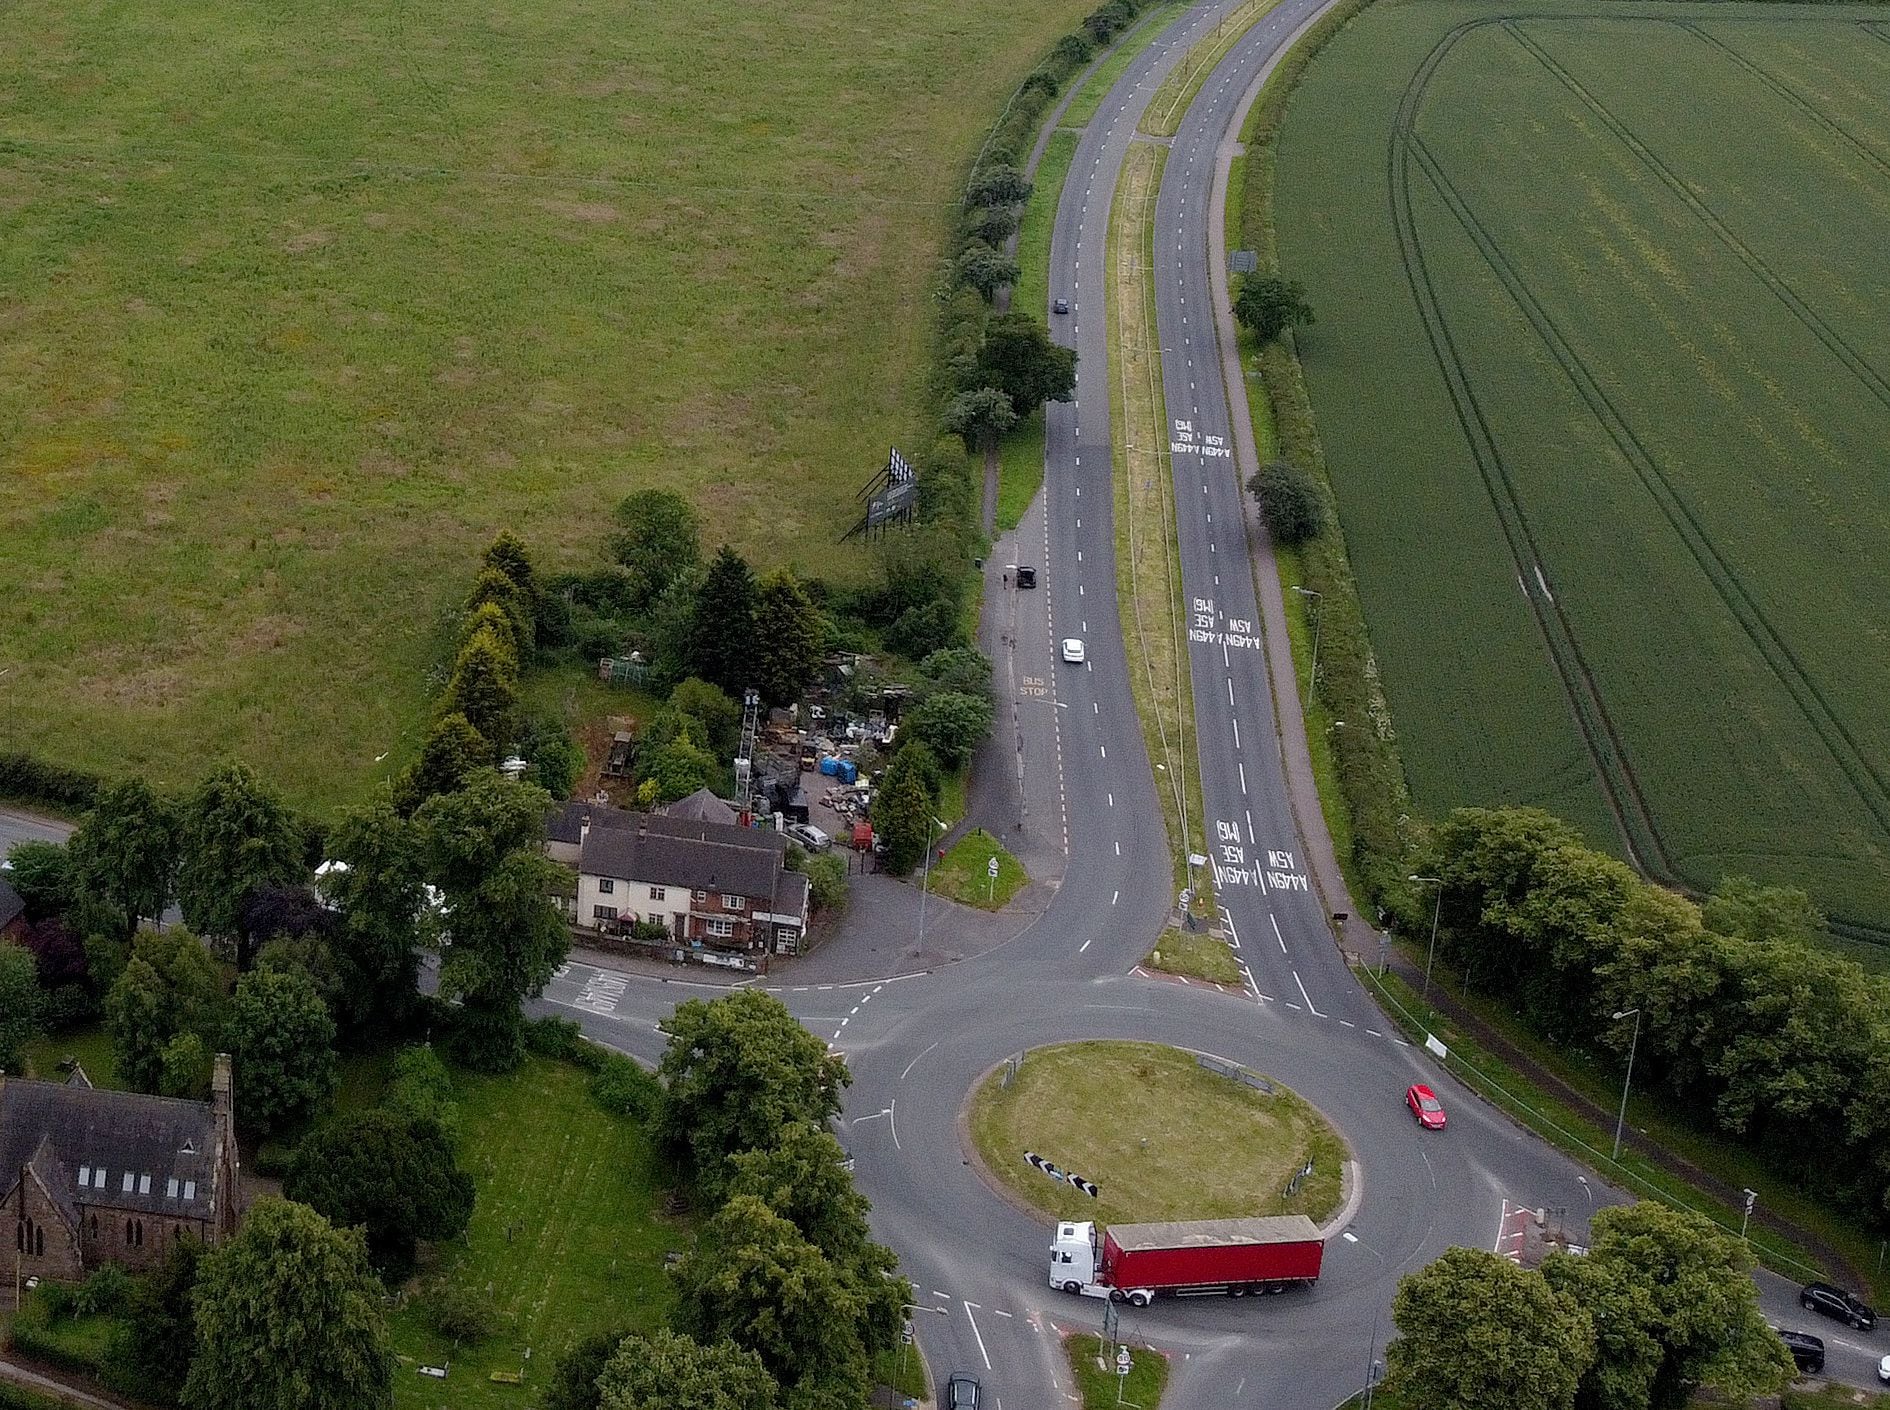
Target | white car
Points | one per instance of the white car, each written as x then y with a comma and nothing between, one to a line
1883,1370
1073,650
809,836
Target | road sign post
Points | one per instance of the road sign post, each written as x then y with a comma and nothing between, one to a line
990,878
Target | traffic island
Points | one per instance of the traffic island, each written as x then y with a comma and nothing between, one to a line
1105,1378
977,871
1140,1132
1195,954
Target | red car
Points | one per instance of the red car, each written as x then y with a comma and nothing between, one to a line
1425,1106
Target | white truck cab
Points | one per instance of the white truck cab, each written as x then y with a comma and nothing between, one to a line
1076,1261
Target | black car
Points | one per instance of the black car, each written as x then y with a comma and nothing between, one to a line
963,1393
1026,576
1807,1351
1061,306
1838,1305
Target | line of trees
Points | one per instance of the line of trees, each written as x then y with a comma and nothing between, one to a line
785,1298
1661,1304
1743,1014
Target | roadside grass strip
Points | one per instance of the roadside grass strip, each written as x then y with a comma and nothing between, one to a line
1020,453
1148,563
1093,1364
1503,1087
1162,118
565,1238
1161,1137
1196,955
965,872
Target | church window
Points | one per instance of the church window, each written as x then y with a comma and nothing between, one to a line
85,1176
190,1190
130,1181
144,1184
39,1241
170,1188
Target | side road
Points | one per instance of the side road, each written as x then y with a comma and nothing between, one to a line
1355,935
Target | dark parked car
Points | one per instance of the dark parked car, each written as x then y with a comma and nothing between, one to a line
962,1393
1026,576
1807,1351
1061,306
1838,1305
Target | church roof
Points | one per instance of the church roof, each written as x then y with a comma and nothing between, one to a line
120,1150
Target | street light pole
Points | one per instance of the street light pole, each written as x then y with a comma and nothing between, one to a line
1633,1044
1319,603
925,878
1437,909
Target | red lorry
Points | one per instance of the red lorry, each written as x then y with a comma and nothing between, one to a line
1135,1262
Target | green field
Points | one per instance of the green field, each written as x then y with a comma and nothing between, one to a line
1602,372
295,318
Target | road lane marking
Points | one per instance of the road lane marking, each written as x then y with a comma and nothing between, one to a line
1243,776
914,1063
976,1333
1236,723
1084,946
1276,932
1307,997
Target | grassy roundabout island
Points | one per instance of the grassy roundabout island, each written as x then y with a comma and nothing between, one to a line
1161,1136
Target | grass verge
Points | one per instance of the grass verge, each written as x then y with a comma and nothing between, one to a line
1093,1365
1089,97
965,873
904,1370
1162,117
1503,1087
1160,1135
565,1238
1196,954
1148,567
90,1046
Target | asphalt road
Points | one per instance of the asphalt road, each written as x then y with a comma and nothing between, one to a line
918,1043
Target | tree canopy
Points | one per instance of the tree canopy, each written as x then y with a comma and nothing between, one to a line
169,986
1290,501
282,1047
1268,305
124,852
289,1317
978,416
656,541
235,836
735,1071
665,1370
722,637
397,1178
1023,362
19,1004
377,893
452,753
787,639
952,724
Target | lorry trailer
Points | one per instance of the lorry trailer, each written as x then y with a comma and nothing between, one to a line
1187,1258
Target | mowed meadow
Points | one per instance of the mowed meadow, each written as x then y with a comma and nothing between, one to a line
299,305
1602,371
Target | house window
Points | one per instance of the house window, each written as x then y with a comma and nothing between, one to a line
127,1233
605,885
657,893
138,1226
733,903
698,895
190,1190
603,912
170,1188
721,929
144,1184
130,1183
85,1176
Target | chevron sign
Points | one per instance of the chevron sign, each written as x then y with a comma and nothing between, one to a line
1057,1173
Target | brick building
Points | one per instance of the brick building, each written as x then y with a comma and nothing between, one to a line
89,1177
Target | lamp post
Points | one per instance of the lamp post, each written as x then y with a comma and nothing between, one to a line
1436,910
1628,1081
925,879
1312,678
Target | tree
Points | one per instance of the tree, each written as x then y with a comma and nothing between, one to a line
294,912
454,750
554,762
753,1280
1476,1332
992,225
711,707
485,852
735,1071
723,639
489,616
235,837
573,1383
19,1004
484,687
161,1324
125,851
42,873
987,270
678,769
952,724
64,971
396,1178
282,1046
964,669
1289,498
1741,906
656,541
978,417
170,986
184,1068
507,554
827,881
289,1317
1698,1281
501,591
1627,1353
999,184
787,639
377,893
665,1370
1023,363
1268,305
902,819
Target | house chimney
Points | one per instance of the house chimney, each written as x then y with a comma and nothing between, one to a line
584,829
222,1090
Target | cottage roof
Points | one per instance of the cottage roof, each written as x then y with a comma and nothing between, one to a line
12,907
701,806
62,1131
703,856
567,824
791,892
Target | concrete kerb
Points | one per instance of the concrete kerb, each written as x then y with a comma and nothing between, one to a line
1295,753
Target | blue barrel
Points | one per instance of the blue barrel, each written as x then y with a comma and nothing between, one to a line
829,765
849,771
